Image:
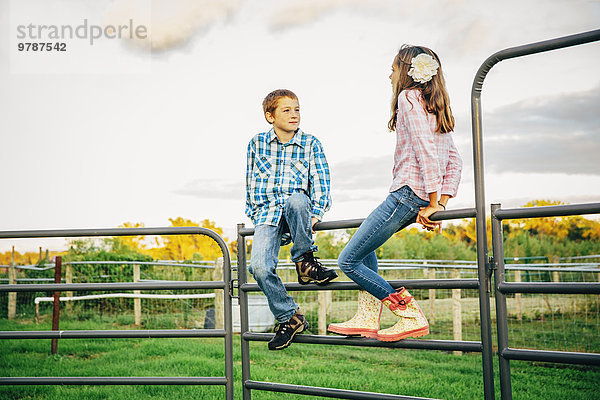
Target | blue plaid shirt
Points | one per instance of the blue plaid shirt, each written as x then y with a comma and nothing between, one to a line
277,170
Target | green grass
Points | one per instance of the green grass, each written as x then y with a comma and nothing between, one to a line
407,372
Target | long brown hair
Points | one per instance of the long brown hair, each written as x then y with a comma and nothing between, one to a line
433,92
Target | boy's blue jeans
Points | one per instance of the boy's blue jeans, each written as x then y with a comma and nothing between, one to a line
358,260
297,213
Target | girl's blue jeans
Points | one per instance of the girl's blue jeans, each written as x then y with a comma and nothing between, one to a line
358,260
297,213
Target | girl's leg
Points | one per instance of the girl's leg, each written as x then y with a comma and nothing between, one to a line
358,260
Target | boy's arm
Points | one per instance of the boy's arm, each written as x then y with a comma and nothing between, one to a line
320,186
249,165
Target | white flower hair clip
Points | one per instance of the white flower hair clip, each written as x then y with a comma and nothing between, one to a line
422,68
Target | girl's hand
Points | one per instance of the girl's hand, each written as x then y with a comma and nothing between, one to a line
425,213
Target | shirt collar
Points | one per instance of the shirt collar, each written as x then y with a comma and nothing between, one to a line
296,139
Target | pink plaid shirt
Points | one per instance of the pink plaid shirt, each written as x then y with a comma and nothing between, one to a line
426,161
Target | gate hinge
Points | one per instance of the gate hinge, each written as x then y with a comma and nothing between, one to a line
491,266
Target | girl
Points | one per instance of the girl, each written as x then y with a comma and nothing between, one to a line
426,173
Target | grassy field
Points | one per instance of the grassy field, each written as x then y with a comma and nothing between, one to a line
408,372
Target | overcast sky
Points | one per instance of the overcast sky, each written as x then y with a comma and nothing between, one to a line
126,131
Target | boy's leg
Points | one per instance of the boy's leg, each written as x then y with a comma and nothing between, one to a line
263,264
297,213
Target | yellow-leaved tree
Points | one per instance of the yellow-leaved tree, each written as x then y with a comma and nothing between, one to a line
187,247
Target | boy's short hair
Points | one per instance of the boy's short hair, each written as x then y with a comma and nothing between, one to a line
270,102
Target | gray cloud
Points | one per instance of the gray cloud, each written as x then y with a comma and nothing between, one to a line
170,23
546,135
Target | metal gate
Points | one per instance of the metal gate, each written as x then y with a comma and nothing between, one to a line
226,333
497,262
484,347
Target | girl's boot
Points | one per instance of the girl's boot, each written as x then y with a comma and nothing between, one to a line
412,320
366,320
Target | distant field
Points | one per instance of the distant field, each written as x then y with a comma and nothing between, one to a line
408,372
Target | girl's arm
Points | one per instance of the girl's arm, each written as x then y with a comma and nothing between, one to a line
416,119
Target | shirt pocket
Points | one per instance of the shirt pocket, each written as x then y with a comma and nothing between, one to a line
262,167
299,171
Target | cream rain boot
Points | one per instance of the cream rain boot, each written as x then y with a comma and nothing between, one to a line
412,320
366,320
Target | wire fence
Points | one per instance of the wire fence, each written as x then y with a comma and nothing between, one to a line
549,322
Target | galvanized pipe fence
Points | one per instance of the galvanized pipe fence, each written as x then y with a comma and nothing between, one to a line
226,333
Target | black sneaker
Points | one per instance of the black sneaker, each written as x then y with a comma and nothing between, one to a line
312,271
286,331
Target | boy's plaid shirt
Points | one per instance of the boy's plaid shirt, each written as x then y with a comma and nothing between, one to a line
276,170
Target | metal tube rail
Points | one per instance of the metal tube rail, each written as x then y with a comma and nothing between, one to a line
549,288
409,284
113,380
355,223
443,345
564,357
111,334
548,211
188,230
325,392
112,286
501,309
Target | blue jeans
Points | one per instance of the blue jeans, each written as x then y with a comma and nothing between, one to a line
296,220
358,260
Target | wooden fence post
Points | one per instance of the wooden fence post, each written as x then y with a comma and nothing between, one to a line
456,313
518,297
324,306
56,310
12,279
219,295
69,279
137,302
432,299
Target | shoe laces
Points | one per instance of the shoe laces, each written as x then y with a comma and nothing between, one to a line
281,328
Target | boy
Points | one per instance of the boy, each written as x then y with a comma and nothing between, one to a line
287,192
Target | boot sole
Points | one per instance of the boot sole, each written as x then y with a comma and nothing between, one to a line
287,344
368,333
394,338
322,282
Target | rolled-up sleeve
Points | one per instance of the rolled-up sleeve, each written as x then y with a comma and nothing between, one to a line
453,169
320,186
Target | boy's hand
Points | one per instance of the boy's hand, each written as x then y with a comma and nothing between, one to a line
313,221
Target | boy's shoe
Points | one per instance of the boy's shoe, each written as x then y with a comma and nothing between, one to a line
286,331
366,320
312,271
